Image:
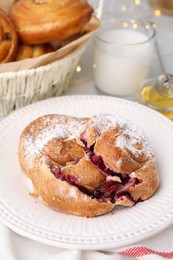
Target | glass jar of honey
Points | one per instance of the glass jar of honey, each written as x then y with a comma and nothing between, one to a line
150,95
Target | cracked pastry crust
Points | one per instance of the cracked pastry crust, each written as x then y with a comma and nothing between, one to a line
8,39
40,21
87,166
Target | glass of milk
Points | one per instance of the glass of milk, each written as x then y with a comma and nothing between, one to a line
122,55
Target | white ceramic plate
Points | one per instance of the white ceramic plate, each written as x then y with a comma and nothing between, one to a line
29,217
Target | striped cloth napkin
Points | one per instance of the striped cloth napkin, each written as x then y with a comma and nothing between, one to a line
16,247
157,247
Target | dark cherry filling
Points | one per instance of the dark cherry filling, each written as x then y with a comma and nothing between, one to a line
83,139
98,161
104,193
111,190
63,177
6,36
116,189
70,179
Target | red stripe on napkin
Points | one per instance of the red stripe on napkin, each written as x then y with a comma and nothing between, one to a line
143,251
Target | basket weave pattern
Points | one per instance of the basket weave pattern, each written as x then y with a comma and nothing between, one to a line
21,88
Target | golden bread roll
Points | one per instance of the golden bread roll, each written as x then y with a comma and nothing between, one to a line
32,51
165,6
41,21
8,39
85,166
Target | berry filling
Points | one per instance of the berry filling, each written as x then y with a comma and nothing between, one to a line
111,190
104,193
122,187
6,36
98,161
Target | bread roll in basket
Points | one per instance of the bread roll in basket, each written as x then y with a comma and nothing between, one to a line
87,166
38,21
67,24
8,39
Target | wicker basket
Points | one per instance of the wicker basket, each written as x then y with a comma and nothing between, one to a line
21,88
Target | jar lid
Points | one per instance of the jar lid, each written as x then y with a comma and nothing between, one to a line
164,85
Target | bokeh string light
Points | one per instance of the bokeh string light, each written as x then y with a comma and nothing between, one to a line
134,8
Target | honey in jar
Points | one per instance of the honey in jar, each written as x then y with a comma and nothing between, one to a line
150,95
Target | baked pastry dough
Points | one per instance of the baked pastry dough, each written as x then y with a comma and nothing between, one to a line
87,166
8,39
41,21
32,51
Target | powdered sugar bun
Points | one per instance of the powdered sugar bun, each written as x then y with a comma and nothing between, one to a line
87,166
